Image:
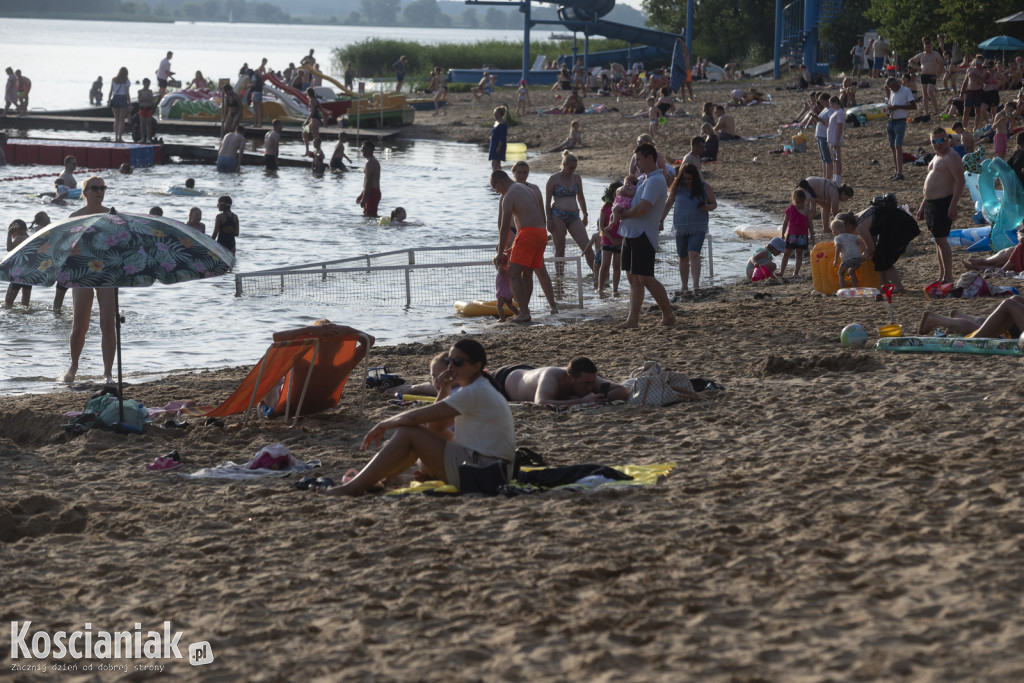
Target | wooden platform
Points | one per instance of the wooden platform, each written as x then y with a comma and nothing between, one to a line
105,124
208,155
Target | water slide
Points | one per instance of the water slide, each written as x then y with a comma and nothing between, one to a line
584,16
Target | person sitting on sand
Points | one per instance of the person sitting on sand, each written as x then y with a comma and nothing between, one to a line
484,432
1007,320
725,126
574,140
552,386
434,386
1010,259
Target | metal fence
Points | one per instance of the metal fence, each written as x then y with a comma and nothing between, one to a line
424,276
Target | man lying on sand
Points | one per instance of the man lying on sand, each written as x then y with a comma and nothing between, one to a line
551,386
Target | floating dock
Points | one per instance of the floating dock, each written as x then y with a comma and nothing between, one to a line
88,154
83,120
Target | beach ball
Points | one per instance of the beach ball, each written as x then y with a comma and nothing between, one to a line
760,273
662,120
854,336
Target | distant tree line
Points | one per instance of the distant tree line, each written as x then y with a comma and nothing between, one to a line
191,10
744,30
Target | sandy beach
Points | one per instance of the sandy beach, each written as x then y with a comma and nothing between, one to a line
834,514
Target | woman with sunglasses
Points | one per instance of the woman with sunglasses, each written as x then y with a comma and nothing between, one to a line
484,431
693,199
93,192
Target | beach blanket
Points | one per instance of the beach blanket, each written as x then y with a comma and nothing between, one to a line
639,475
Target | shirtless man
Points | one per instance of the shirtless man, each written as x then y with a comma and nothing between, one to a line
271,142
519,203
229,157
931,66
521,171
67,178
973,90
695,154
725,124
942,189
578,383
369,198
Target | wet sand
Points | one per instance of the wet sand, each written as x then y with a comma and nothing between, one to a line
835,514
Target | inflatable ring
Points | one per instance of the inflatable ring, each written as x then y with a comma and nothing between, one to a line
1006,212
516,147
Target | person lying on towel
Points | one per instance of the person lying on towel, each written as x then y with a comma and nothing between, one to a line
551,386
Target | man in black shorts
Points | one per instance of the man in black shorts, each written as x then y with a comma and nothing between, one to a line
639,226
942,189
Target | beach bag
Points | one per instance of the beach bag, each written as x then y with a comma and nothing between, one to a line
653,386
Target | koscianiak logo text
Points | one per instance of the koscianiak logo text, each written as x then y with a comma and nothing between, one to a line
28,647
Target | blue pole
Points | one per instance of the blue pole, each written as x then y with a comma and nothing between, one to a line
689,30
778,35
811,35
525,7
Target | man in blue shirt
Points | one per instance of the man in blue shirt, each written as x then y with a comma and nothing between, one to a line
639,226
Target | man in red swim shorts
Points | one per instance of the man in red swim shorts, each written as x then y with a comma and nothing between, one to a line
369,198
519,203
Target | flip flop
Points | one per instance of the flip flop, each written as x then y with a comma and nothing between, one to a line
171,461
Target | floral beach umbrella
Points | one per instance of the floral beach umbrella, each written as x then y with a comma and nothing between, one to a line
115,250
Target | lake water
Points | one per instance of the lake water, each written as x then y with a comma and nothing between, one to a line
288,218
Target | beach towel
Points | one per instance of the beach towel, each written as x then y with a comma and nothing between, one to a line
639,475
649,385
271,461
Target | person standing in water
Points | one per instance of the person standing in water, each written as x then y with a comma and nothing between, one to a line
93,192
369,198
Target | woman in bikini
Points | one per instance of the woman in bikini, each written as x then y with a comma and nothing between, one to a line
564,200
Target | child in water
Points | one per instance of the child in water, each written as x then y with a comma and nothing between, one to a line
797,229
850,251
318,157
765,256
503,289
17,232
225,227
195,219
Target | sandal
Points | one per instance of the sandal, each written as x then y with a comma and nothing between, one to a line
171,461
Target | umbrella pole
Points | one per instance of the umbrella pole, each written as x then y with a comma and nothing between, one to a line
120,385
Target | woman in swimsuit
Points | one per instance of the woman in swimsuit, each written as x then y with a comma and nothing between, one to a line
198,83
231,109
564,200
120,101
311,126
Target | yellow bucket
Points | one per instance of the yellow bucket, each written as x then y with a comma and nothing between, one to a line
894,330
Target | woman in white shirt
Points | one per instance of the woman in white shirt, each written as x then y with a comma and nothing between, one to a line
484,431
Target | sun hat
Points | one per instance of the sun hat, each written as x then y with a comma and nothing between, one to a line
777,243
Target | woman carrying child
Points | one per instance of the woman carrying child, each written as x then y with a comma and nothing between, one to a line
692,199
798,231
